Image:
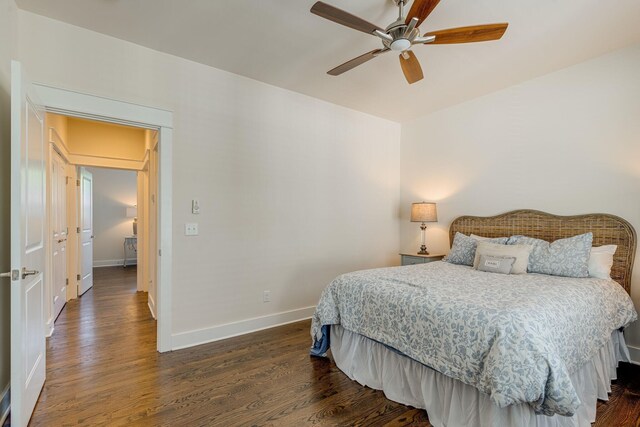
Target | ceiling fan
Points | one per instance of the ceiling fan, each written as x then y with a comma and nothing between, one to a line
403,33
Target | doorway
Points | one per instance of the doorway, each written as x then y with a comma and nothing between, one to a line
159,123
114,168
115,217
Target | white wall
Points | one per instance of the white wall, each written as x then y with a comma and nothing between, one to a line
293,190
113,191
565,143
8,50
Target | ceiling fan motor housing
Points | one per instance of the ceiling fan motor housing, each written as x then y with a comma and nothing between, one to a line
401,40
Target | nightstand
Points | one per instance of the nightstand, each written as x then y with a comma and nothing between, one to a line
131,243
410,259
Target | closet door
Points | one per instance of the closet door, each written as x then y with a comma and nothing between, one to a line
60,231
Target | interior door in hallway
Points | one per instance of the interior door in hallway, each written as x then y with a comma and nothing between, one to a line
28,254
59,277
86,231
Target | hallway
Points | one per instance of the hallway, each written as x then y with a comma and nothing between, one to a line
99,342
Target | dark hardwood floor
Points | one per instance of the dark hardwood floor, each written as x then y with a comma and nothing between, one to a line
103,369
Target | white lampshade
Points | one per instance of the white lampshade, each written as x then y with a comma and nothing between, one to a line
424,212
132,211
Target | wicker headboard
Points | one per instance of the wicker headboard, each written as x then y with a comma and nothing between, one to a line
607,230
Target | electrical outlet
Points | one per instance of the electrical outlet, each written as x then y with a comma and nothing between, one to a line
266,296
191,229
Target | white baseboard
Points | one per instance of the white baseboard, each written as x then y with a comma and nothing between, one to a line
228,330
113,262
634,353
5,403
152,305
48,330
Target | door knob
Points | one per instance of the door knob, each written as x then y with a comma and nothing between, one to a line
26,272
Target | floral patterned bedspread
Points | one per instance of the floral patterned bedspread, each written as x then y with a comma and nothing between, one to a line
514,337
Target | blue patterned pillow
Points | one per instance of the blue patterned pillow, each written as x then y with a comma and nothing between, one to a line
463,249
565,257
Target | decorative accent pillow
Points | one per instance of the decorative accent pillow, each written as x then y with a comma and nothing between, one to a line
519,252
463,249
601,261
496,264
564,257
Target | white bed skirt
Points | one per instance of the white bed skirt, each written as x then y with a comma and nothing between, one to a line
451,403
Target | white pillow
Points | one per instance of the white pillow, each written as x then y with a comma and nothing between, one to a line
519,252
601,261
481,238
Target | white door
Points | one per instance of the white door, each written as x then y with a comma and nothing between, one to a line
28,351
59,227
86,231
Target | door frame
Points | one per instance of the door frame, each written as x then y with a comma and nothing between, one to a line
76,104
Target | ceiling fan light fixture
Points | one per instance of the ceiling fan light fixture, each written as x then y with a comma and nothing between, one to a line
400,45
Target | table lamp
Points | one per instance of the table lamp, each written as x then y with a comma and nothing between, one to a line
132,212
423,212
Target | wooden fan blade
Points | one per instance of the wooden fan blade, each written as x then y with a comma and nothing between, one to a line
474,33
411,67
355,62
421,9
344,18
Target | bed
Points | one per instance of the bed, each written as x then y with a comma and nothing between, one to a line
482,349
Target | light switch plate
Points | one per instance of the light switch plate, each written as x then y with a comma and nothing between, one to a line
195,206
191,229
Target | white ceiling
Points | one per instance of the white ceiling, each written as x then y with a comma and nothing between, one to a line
281,43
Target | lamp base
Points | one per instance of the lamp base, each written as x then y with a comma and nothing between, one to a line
423,250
